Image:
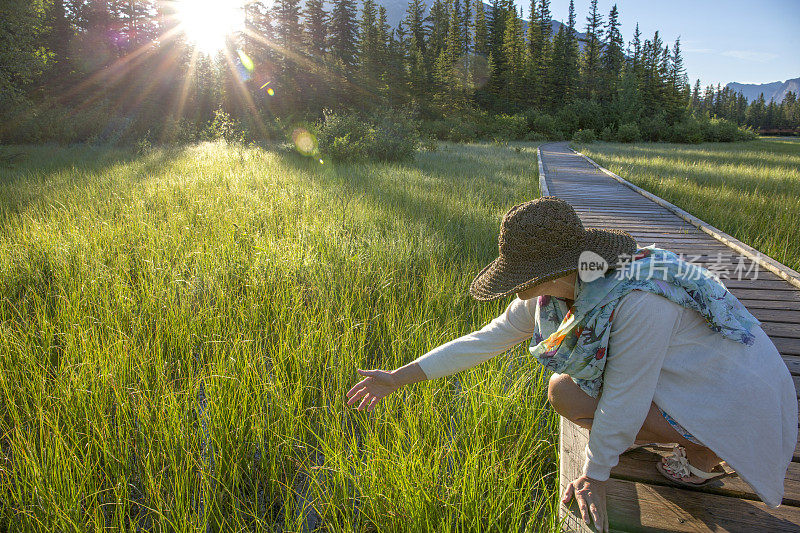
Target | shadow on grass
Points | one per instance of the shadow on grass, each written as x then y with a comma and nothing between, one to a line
458,229
38,165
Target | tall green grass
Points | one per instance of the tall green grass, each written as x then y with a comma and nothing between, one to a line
750,190
178,331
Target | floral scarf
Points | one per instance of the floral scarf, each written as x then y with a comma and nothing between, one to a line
574,341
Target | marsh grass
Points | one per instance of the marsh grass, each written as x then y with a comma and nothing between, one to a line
178,330
750,190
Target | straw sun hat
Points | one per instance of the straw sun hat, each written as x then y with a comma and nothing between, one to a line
540,241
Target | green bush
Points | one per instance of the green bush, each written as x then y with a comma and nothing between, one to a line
535,136
629,133
567,120
745,134
584,136
540,122
687,131
454,129
607,134
383,136
223,126
588,115
654,128
504,127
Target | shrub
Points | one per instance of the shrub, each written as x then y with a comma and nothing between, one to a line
719,130
455,129
384,136
504,127
629,133
567,120
654,128
535,136
687,131
745,134
540,122
223,126
588,115
607,134
583,136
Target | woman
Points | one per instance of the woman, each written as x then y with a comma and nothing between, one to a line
653,350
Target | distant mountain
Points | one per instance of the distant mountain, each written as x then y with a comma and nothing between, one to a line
772,91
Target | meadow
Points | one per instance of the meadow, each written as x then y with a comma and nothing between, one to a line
750,190
178,329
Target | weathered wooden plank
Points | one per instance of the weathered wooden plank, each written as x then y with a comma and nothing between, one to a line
640,511
572,441
774,315
780,329
641,507
639,465
792,363
775,305
786,345
766,294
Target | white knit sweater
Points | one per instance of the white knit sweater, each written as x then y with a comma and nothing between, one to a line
738,400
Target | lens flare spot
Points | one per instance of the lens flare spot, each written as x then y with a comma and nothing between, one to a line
245,59
304,141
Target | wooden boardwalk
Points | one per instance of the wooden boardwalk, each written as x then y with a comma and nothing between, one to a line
639,498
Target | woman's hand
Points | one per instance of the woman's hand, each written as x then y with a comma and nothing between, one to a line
376,386
591,497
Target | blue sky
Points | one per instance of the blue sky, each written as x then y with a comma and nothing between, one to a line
722,40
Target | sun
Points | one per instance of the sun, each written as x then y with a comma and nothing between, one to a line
208,23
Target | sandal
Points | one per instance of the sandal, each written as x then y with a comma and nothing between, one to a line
675,466
653,444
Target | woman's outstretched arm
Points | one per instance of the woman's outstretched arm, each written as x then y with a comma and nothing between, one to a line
379,384
513,326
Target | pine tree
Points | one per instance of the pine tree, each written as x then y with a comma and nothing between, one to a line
58,38
497,30
613,57
451,90
316,19
627,105
439,23
533,41
590,64
540,82
415,53
571,51
513,50
395,68
343,32
557,86
369,44
466,24
636,52
695,101
288,30
677,89
481,31
756,113
545,24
